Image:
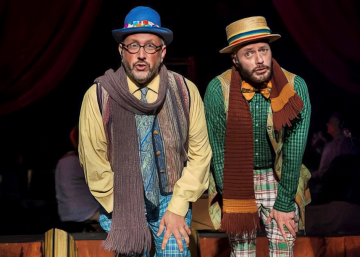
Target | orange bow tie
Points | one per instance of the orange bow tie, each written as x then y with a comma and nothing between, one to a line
248,91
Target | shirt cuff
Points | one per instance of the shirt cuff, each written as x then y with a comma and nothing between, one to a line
283,202
178,206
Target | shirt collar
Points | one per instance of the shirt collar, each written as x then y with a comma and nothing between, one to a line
153,85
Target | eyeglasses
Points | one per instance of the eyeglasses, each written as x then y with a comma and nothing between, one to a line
134,48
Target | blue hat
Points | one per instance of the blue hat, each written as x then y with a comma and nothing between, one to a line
142,20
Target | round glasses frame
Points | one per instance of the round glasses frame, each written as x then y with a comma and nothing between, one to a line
126,47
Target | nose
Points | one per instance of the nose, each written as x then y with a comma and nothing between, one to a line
142,54
259,58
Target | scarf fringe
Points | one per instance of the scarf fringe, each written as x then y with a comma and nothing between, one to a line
239,224
125,242
288,113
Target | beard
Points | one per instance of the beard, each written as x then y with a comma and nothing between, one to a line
141,77
250,75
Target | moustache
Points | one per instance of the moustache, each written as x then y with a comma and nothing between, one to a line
141,62
260,68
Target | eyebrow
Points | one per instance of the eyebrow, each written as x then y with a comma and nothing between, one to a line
150,41
146,42
133,41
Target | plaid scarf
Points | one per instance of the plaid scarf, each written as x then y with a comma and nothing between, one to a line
129,232
240,215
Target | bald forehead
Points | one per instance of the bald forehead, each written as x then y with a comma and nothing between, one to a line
143,38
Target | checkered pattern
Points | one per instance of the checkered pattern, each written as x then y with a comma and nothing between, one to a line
294,144
216,123
265,186
171,249
294,147
263,153
243,247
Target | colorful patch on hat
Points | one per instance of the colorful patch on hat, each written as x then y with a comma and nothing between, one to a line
143,23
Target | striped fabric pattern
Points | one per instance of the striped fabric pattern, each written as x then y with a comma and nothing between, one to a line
248,35
174,123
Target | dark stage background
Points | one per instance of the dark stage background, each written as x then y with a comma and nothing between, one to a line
36,136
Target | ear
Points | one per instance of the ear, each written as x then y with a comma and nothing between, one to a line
120,49
234,59
163,53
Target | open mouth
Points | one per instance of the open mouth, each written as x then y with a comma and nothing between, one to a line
261,70
141,66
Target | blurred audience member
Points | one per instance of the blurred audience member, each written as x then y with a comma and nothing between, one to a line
342,144
75,202
335,186
318,142
314,150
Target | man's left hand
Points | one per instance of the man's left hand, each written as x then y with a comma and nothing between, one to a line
175,224
284,218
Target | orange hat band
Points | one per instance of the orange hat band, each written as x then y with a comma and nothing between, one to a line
247,35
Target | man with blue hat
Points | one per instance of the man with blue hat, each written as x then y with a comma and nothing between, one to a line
144,144
258,117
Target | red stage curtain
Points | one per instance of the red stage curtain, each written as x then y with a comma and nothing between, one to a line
328,33
40,41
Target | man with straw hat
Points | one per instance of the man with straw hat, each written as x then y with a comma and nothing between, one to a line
144,144
258,118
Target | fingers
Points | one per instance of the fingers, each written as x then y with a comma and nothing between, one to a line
166,238
178,240
161,227
290,227
177,235
294,225
187,229
282,230
185,236
271,216
174,225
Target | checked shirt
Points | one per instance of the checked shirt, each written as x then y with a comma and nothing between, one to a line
294,142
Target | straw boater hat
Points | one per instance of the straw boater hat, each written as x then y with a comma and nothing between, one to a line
247,30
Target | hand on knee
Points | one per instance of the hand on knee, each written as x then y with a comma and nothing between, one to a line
176,225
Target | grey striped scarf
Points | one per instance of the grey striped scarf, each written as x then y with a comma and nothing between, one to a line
129,232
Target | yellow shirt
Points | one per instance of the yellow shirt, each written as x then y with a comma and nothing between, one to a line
93,150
